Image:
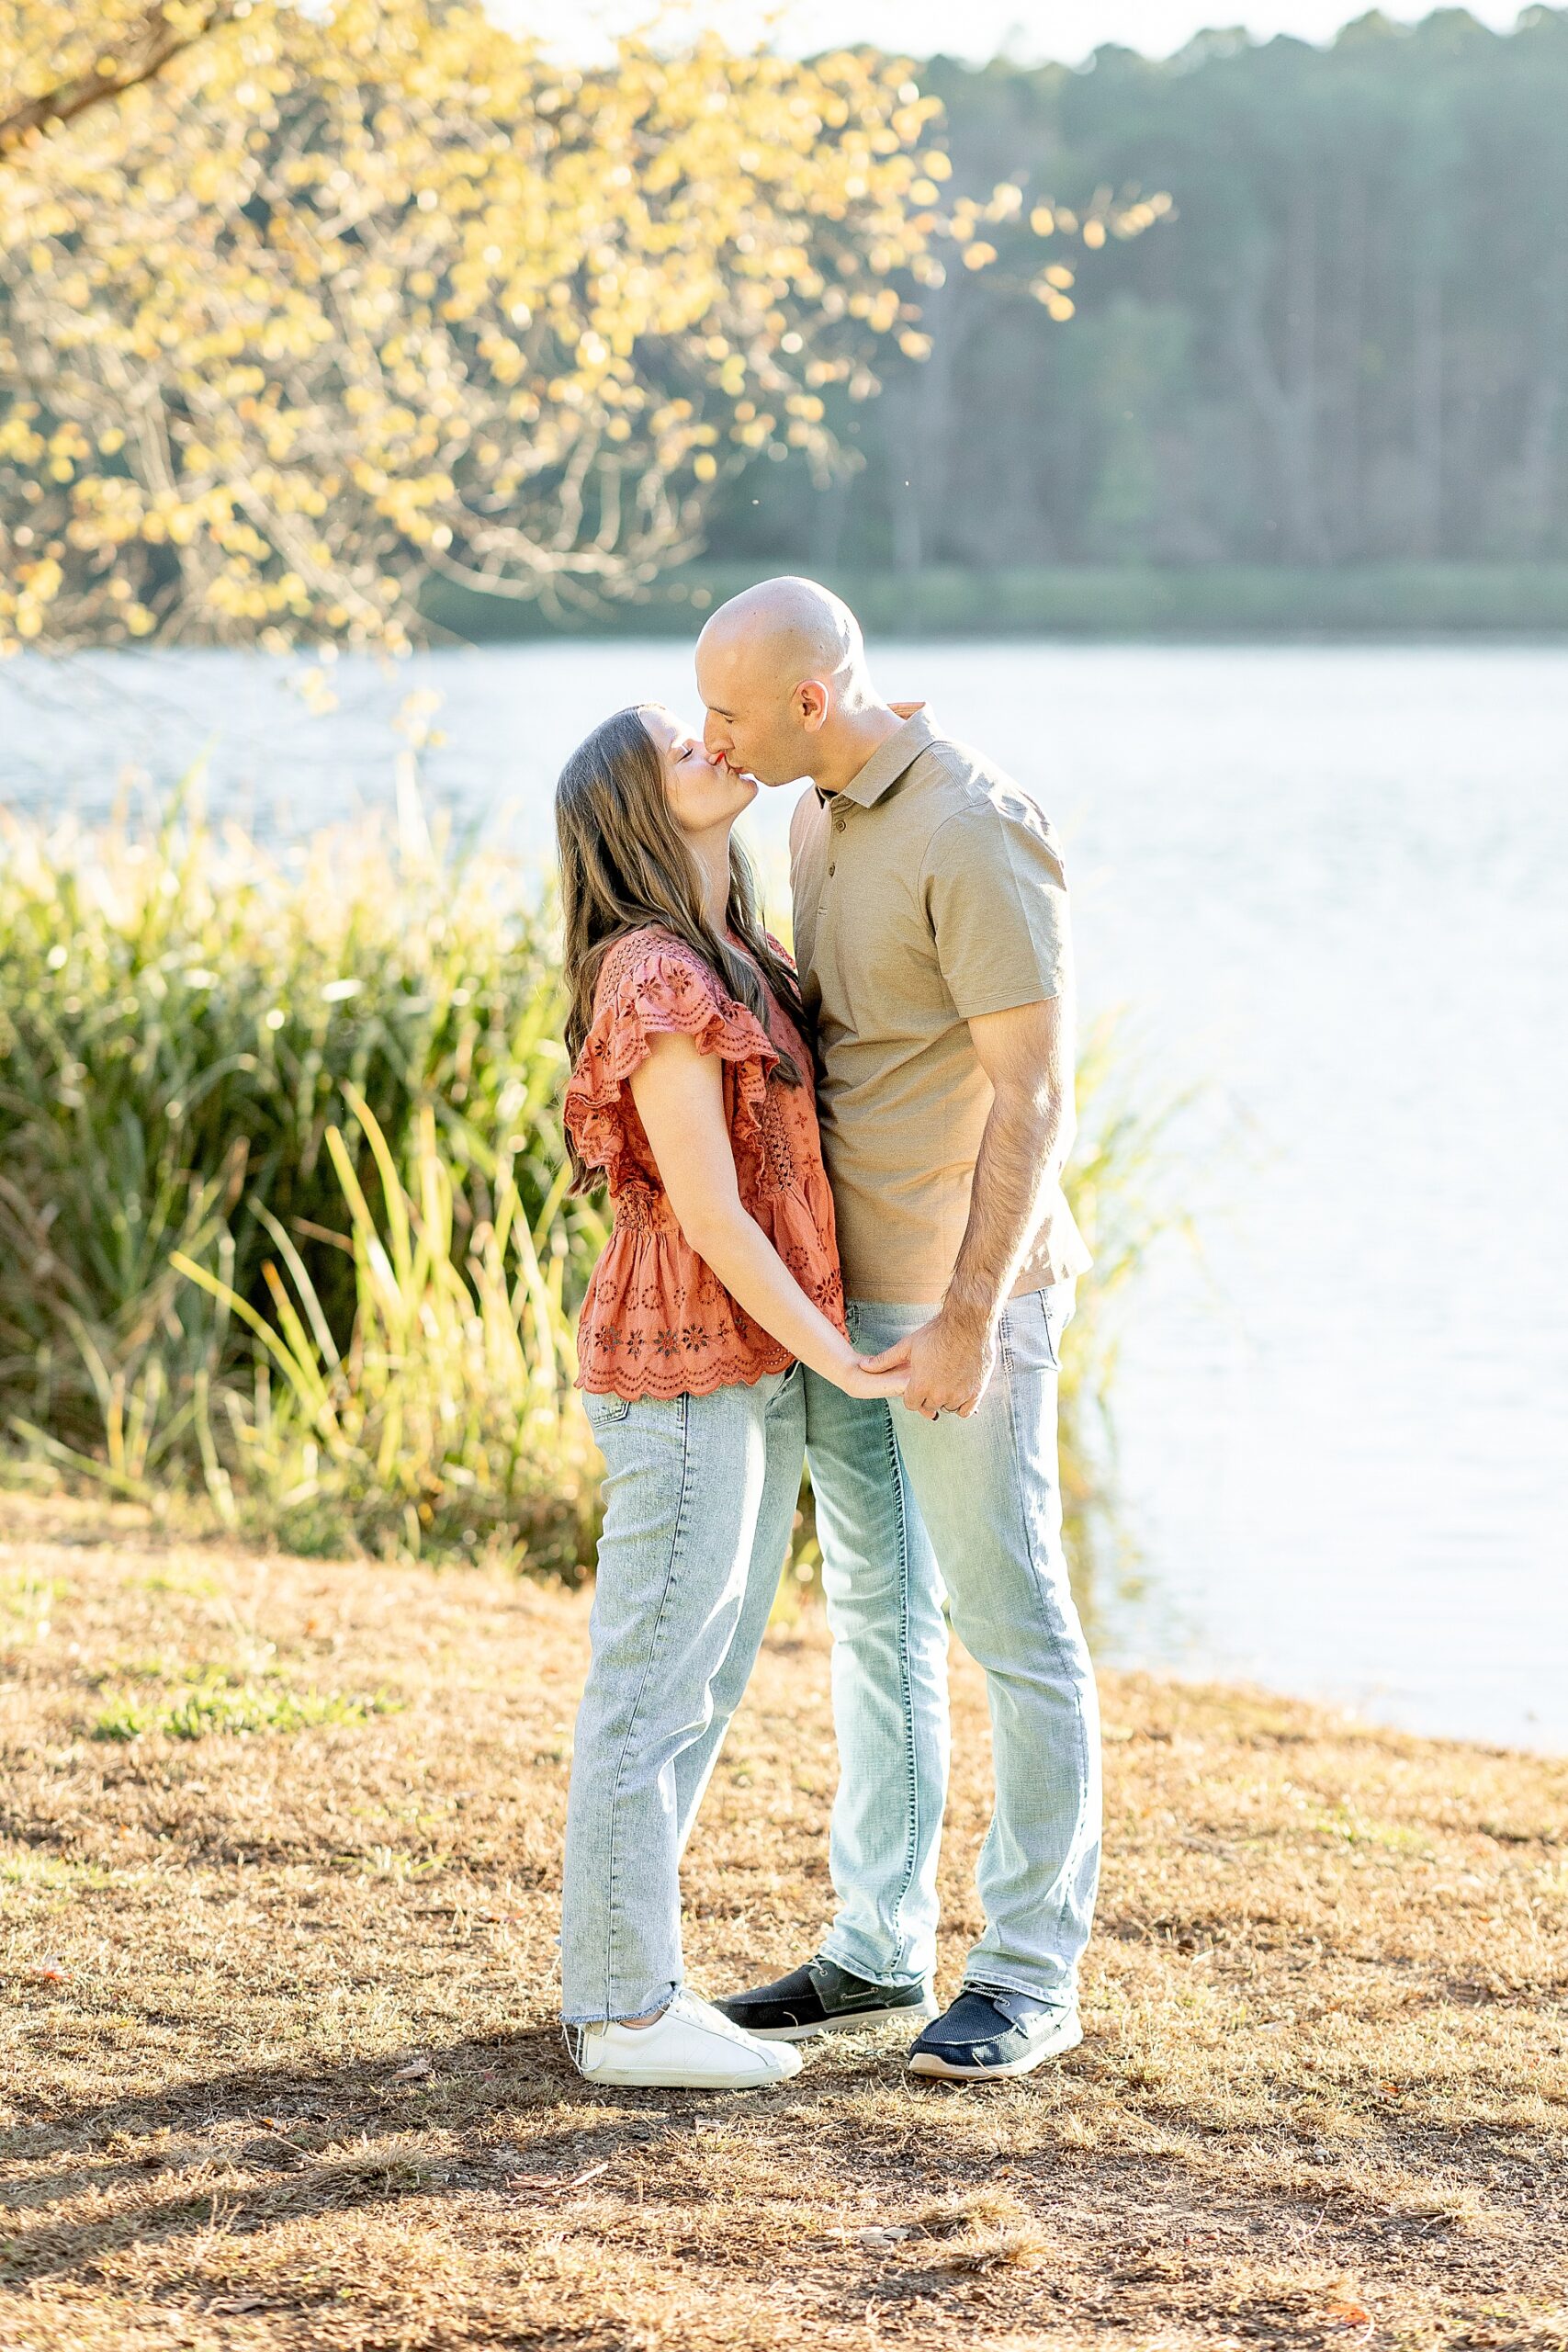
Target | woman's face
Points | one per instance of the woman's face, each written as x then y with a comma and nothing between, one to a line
702,793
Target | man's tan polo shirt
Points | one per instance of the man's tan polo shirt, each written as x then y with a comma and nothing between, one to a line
928,892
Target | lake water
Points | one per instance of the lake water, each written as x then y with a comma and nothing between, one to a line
1332,885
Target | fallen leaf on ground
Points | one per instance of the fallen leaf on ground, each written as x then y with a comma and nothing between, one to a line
1349,2314
53,1972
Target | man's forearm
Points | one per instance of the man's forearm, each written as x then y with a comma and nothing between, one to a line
1023,1152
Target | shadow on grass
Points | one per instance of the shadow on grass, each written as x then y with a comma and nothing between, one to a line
338,2138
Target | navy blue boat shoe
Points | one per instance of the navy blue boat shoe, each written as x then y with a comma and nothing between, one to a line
988,2035
822,1998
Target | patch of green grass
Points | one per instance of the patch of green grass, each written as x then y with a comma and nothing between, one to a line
186,1583
391,1861
1348,1827
53,1873
122,1719
218,1705
27,1601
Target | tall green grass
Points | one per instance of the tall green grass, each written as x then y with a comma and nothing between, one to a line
448,1420
283,1210
220,1071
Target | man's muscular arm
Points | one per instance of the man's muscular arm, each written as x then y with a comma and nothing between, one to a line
1027,1054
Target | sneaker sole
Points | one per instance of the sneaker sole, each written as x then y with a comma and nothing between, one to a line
924,2062
672,2079
676,2078
857,2021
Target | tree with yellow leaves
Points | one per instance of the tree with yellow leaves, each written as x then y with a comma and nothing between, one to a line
300,306
61,62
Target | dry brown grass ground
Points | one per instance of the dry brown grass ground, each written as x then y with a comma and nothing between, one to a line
280,2068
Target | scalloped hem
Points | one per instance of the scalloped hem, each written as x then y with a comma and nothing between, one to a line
702,1385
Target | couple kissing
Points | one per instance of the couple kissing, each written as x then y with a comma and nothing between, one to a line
839,1237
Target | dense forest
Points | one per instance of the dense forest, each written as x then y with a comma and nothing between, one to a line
1347,343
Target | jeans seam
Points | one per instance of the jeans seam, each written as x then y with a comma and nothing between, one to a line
1054,1637
1052,1346
906,1693
675,1543
780,1396
899,1967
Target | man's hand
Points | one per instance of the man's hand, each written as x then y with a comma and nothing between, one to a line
948,1363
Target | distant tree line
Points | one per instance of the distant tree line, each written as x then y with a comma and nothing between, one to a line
1348,342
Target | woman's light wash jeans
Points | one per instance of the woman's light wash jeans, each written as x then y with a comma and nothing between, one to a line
904,1507
699,1502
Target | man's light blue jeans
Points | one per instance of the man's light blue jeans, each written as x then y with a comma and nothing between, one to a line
906,1507
699,1501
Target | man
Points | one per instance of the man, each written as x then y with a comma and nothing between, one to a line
930,927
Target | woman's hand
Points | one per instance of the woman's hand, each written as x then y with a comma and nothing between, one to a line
852,1377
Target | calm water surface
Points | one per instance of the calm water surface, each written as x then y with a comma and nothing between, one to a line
1332,884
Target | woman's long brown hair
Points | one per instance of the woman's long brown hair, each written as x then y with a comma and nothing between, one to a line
623,866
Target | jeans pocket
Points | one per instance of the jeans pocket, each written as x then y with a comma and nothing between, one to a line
1033,1328
603,1410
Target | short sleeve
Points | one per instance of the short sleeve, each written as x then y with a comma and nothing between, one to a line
662,990
996,894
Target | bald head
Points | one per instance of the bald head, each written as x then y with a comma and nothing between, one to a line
780,664
793,629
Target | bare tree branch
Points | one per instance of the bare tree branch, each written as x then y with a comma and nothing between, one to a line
151,46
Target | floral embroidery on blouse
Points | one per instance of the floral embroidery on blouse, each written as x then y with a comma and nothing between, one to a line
657,1320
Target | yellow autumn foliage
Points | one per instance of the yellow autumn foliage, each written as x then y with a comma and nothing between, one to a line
342,296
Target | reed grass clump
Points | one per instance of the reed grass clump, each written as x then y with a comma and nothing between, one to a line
282,1201
283,1210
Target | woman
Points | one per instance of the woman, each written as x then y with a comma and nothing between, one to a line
692,1096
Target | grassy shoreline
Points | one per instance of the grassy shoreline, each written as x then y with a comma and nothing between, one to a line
302,1247
281,2068
1219,600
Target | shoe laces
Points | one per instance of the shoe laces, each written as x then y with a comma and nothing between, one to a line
700,2013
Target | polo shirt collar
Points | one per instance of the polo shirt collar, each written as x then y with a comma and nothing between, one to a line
890,760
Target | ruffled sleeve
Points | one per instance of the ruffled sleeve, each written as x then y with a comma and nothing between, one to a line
649,989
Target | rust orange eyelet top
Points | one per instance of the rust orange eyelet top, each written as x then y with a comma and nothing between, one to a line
656,1321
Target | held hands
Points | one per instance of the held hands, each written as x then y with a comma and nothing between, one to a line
854,1377
847,1371
946,1366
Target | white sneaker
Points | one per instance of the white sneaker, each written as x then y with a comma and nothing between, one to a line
691,2048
